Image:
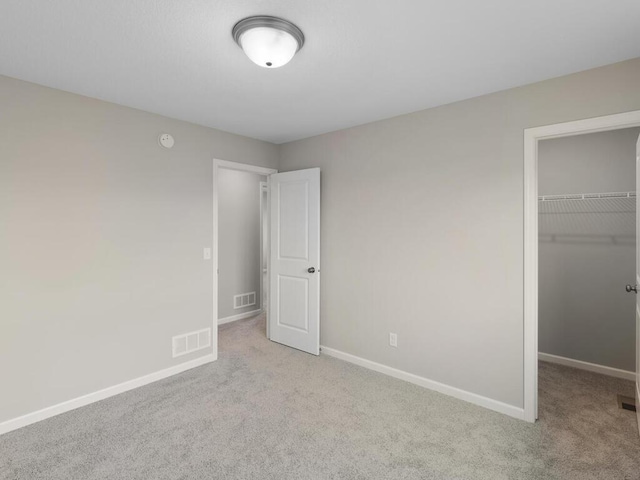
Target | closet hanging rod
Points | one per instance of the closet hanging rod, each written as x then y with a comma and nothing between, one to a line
586,196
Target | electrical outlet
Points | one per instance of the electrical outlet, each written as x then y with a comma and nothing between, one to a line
393,339
206,254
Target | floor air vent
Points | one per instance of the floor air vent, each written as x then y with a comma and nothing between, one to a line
626,403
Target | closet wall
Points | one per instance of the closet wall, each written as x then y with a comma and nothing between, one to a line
587,249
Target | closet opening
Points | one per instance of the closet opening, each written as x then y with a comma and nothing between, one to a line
586,258
581,309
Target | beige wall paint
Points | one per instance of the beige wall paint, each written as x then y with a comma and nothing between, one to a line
101,241
422,228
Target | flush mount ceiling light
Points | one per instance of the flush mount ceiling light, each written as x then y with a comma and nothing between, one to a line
270,42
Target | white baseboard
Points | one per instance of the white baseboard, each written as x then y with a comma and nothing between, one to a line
240,316
591,367
512,411
78,402
637,404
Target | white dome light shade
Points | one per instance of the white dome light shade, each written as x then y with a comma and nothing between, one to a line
268,47
270,42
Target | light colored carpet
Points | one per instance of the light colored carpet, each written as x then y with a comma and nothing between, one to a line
264,411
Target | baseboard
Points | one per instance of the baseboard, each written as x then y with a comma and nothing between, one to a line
240,316
637,404
495,405
78,402
590,367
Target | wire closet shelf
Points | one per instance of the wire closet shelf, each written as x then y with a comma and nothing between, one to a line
588,217
586,196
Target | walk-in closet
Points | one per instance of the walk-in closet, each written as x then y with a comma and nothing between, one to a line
587,251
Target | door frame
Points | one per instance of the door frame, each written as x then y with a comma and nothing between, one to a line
264,204
531,138
241,167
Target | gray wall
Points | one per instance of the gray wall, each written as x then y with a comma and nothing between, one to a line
238,239
101,234
422,228
592,163
101,238
587,249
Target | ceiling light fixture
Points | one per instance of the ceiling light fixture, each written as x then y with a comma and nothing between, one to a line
270,42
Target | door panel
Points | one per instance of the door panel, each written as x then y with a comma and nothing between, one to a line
294,306
293,230
293,295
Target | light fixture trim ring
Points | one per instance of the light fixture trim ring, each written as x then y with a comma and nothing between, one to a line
270,22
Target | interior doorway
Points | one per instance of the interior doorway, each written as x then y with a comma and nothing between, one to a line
586,256
289,218
586,251
534,200
240,210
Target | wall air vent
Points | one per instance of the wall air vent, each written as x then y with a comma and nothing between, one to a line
244,300
191,342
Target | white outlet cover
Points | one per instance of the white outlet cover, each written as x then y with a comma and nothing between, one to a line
206,253
166,141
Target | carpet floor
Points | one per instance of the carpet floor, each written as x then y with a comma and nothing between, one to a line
265,411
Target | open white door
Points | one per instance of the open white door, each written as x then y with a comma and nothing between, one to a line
637,284
294,297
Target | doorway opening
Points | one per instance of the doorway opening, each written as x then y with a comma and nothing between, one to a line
291,211
239,253
586,256
578,212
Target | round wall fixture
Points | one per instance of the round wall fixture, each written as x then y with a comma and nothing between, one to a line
270,42
165,140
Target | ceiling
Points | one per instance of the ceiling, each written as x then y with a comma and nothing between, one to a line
363,60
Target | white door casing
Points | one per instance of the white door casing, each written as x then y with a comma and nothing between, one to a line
264,253
294,296
637,284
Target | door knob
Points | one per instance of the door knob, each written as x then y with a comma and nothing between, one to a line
311,270
632,288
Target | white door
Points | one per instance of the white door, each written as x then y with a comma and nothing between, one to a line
294,277
637,284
